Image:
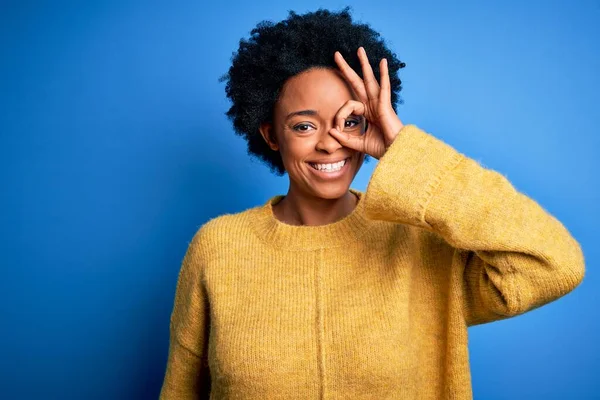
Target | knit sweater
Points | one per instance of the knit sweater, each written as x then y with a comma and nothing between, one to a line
375,305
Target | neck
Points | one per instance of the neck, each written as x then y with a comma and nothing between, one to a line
299,209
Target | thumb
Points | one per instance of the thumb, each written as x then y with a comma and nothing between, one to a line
348,140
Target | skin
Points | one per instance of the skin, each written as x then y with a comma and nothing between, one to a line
334,129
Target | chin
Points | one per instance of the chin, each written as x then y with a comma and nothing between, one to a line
332,194
330,191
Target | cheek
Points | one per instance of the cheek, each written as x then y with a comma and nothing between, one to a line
297,150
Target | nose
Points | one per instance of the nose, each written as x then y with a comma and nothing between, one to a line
327,142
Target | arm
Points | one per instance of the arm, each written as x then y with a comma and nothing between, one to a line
187,375
516,255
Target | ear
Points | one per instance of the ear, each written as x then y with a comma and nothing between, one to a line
268,133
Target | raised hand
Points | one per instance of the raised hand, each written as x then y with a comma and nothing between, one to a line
374,105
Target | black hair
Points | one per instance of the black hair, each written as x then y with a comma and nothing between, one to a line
277,51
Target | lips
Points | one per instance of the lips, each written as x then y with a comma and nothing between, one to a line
314,163
333,174
329,162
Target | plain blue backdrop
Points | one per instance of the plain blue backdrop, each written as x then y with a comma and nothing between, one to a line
115,149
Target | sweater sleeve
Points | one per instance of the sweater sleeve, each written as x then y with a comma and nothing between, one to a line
187,375
516,255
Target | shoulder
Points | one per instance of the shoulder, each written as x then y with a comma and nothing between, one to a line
220,232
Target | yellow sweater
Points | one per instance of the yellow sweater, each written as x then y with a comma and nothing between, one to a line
375,305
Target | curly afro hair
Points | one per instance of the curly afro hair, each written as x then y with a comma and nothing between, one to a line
276,52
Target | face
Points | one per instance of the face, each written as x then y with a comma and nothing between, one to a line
303,116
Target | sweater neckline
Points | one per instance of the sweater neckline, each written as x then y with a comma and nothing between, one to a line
303,237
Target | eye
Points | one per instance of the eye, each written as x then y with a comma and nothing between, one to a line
351,123
302,127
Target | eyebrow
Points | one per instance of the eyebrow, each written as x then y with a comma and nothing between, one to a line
301,112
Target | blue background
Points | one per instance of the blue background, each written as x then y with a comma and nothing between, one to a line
114,149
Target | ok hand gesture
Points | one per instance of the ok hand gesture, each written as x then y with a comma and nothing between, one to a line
374,104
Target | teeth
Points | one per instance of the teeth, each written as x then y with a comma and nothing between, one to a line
329,167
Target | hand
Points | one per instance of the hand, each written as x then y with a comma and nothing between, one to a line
374,104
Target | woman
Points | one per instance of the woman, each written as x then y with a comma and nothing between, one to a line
331,293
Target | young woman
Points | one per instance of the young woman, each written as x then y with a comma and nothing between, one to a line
331,293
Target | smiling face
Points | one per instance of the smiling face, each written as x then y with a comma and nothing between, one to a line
302,118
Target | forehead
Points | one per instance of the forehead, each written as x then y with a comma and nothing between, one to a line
318,88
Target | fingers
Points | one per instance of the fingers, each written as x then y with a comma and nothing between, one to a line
369,78
351,107
385,94
348,140
355,81
352,136
366,88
